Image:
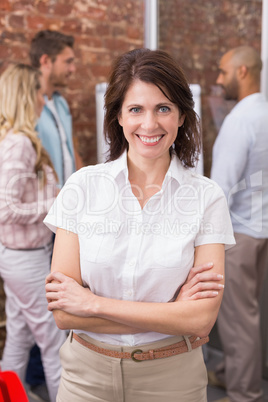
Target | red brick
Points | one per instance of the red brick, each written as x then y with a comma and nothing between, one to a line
103,29
5,5
100,70
57,9
104,2
97,14
19,5
133,33
4,51
19,53
37,22
15,36
72,26
16,21
118,31
88,57
89,41
116,44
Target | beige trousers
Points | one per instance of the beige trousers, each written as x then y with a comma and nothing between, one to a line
239,318
88,376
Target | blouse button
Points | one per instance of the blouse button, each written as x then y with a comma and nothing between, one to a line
132,262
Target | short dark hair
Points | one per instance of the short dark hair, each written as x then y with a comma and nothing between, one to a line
48,42
160,69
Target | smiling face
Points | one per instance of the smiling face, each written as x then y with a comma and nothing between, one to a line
150,121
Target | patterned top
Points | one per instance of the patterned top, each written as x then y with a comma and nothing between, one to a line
23,201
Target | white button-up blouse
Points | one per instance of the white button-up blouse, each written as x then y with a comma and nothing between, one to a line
129,253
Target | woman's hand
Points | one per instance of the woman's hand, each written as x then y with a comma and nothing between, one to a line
200,284
64,293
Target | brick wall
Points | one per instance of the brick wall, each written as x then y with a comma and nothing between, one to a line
197,33
102,30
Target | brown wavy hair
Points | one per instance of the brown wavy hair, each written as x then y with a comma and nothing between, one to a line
158,68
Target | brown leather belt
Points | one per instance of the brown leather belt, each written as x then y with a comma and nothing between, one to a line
138,355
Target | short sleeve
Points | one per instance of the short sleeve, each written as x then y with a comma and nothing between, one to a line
216,226
68,206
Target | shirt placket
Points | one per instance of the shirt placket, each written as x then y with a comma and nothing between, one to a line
134,237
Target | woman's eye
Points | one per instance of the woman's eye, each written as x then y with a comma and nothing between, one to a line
135,110
164,109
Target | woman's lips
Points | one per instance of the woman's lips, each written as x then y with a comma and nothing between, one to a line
150,140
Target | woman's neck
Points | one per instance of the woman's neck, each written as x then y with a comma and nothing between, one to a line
146,176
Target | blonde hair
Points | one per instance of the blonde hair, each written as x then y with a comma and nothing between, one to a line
19,84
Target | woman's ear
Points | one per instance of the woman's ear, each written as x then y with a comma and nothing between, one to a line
119,118
181,120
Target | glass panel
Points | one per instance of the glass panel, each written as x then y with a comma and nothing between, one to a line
196,33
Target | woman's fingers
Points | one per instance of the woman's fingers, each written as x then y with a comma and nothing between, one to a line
201,283
56,276
205,295
52,305
204,282
56,283
199,269
204,277
66,294
204,286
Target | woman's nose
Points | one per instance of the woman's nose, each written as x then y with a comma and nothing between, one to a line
149,122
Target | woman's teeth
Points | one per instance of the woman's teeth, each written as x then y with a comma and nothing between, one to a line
150,139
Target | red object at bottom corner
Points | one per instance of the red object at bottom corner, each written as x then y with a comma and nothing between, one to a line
11,388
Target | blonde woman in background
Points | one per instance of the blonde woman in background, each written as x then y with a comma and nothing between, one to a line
27,190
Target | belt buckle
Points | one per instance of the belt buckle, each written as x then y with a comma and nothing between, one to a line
139,351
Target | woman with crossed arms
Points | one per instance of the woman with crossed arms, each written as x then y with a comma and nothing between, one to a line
128,233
